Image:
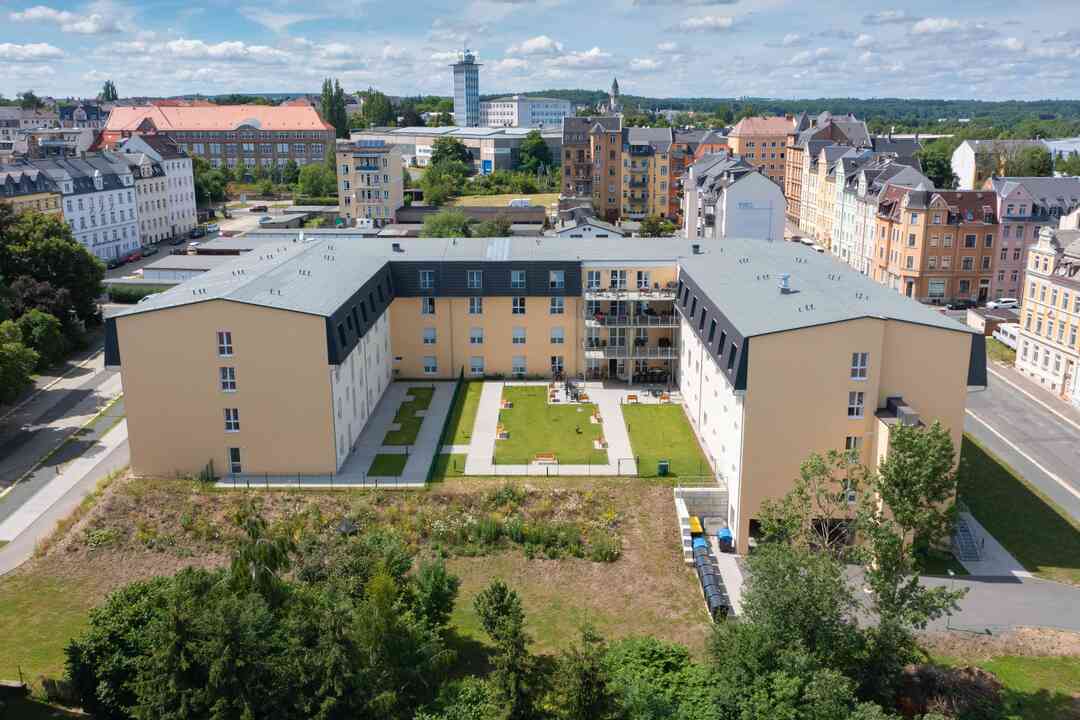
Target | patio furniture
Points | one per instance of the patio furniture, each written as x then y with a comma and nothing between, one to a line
664,397
544,459
631,398
501,433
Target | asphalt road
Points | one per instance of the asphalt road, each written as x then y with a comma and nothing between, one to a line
1042,446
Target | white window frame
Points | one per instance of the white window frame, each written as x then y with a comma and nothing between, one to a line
425,303
558,335
517,306
474,279
860,364
519,336
227,378
225,343
431,365
557,305
856,404
232,420
475,369
476,336
476,306
430,336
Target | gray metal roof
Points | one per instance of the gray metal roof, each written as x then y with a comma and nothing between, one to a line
741,277
1060,192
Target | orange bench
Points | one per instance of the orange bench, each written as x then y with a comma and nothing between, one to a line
544,458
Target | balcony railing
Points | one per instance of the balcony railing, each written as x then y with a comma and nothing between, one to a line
656,292
598,349
639,320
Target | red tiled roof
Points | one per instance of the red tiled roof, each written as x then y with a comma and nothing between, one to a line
217,117
763,126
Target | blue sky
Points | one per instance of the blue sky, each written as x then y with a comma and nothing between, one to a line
988,49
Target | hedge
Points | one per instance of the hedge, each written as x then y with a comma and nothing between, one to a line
128,294
313,200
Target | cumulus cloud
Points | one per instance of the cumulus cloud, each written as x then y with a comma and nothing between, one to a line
276,21
706,23
810,57
225,51
589,59
539,45
792,39
31,52
888,17
935,26
1010,43
668,47
864,40
90,24
645,64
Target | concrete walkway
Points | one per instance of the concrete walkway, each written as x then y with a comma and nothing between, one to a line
479,460
730,572
994,560
354,472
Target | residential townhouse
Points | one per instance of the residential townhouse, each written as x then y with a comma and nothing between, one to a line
370,181
1048,349
725,196
646,173
762,141
936,245
230,135
976,161
337,315
172,196
808,136
82,115
592,162
23,187
152,198
1025,205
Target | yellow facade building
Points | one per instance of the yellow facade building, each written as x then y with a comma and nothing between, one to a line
26,188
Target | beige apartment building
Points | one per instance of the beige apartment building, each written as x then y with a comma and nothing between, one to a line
762,141
370,181
274,362
646,173
592,162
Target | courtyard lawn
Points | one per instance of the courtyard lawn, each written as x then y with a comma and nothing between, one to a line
1030,526
38,616
539,199
388,465
537,427
662,432
449,466
408,419
463,414
1000,352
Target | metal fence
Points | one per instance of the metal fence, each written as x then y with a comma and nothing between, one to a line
302,481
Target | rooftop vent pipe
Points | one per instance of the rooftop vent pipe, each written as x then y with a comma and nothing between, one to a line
785,283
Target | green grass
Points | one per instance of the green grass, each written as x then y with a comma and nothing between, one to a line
38,616
662,432
537,427
463,414
388,465
537,199
447,466
1038,688
407,418
1000,352
1029,524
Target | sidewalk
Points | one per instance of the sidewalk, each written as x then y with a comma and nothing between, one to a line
1007,375
995,560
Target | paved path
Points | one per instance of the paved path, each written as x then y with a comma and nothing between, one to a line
1033,431
53,505
1000,603
482,449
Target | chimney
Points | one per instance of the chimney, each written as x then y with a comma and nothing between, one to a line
696,249
785,283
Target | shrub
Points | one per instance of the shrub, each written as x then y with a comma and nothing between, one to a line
127,294
44,334
604,547
508,495
102,537
316,200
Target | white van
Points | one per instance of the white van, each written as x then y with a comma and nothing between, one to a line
520,203
1007,334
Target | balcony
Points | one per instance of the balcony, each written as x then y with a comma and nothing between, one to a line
656,292
597,349
640,320
638,183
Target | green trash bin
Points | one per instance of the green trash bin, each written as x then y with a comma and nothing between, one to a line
663,467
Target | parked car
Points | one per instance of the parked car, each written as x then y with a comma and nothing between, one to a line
178,240
257,208
961,305
1005,303
212,228
197,233
149,250
134,256
115,262
265,219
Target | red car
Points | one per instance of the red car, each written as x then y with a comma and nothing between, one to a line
135,255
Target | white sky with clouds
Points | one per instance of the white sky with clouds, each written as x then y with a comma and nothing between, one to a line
984,49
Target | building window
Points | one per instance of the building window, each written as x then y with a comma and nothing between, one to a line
475,279
618,279
855,403
965,287
429,336
557,279
235,466
988,241
518,307
969,241
643,279
558,306
556,365
592,280
476,336
427,279
853,443
228,379
860,362
232,419
224,343
558,336
476,306
427,306
518,336
517,279
476,366
517,365
967,263
430,365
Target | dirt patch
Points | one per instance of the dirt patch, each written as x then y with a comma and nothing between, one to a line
1027,642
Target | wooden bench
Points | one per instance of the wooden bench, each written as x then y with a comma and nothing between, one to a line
631,398
506,405
664,397
584,397
544,459
500,433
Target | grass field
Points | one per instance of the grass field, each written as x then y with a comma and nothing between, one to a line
463,414
662,432
388,465
1022,519
1000,352
537,427
408,419
449,466
1035,687
38,615
541,199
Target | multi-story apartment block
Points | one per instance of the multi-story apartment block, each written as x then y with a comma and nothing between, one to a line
524,111
24,187
976,161
152,197
1025,205
370,181
171,199
99,201
687,148
808,136
14,119
762,141
592,162
466,86
82,115
722,326
858,182
230,135
725,196
1050,314
936,245
646,173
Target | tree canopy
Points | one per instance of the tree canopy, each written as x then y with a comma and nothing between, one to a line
108,92
450,149
332,107
448,222
535,153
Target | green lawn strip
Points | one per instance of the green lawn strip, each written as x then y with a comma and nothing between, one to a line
1000,352
447,465
463,414
406,417
537,427
38,616
1029,524
388,465
662,432
1034,687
